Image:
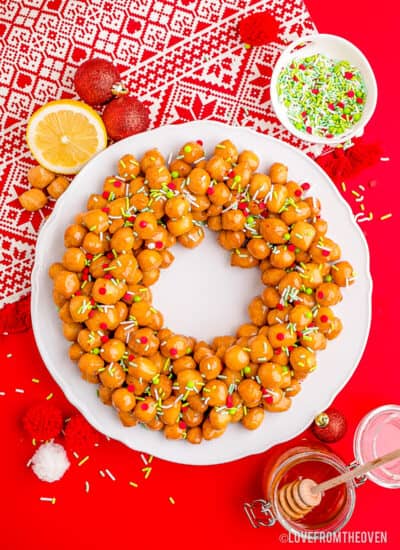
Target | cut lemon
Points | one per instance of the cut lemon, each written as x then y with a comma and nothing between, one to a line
64,134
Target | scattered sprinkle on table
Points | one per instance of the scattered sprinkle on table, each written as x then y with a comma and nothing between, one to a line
9,355
144,459
386,217
172,500
83,461
344,188
322,96
147,472
48,499
87,486
19,390
133,484
35,380
50,396
2,393
110,475
102,473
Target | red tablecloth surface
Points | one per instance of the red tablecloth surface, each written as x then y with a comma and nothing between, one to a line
208,500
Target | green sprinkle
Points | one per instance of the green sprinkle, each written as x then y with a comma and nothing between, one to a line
174,174
247,370
286,236
137,299
187,149
308,291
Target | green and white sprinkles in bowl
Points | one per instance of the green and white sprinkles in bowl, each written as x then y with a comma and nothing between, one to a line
322,96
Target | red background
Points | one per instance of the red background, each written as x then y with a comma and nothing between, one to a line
208,511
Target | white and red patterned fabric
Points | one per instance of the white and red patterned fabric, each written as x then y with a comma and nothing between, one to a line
183,58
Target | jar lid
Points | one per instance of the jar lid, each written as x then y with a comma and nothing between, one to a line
378,433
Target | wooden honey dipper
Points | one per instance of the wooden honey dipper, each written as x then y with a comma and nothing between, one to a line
300,496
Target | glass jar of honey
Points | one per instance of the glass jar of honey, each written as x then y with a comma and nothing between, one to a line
377,434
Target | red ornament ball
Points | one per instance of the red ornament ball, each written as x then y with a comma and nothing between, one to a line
94,80
43,421
79,434
124,117
329,426
258,29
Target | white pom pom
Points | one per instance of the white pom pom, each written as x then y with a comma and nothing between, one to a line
50,462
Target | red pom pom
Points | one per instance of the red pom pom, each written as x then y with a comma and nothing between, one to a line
94,80
16,317
329,426
341,164
43,421
124,117
79,434
259,28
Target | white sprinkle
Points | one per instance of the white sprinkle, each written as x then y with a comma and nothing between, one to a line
109,474
5,333
385,159
102,473
2,393
361,187
143,459
48,499
18,390
87,486
9,355
29,463
75,454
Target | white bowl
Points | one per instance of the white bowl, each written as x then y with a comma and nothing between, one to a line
334,47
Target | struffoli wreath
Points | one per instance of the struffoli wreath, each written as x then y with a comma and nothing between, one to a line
115,250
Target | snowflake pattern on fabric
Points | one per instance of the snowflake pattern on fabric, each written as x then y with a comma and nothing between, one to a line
183,58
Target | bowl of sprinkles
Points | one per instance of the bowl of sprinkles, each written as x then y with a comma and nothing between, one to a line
323,89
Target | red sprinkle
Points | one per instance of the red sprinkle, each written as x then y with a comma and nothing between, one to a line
350,93
144,339
324,319
171,186
229,401
210,191
89,256
108,276
91,313
144,406
182,425
102,290
299,334
231,173
269,398
127,297
173,351
103,326
280,307
359,100
117,183
302,67
290,348
104,339
110,255
131,388
143,223
331,106
262,205
309,129
326,252
131,357
159,244
306,186
78,293
291,247
315,91
199,141
320,295
85,276
105,194
277,351
131,218
243,205
280,336
340,104
348,75
295,78
298,192
105,209
304,114
105,265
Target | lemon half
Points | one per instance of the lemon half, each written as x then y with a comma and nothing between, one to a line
64,134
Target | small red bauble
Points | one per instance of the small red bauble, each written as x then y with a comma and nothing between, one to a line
124,117
329,426
43,421
94,80
79,434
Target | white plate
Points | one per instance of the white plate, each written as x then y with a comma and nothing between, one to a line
335,365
